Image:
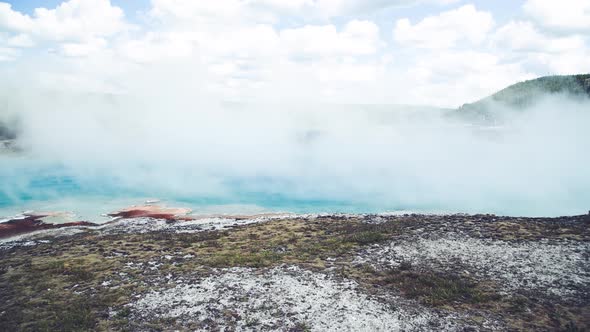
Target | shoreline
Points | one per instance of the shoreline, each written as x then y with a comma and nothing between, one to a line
30,222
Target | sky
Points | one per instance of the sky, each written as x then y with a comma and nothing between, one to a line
420,52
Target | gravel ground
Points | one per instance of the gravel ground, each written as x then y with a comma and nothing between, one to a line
286,298
302,273
556,267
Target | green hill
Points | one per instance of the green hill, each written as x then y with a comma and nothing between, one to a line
523,95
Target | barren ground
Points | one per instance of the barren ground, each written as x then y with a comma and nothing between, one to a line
302,273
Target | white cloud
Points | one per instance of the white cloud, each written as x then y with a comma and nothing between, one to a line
8,54
451,78
347,72
74,20
80,20
246,41
357,38
154,46
20,40
16,41
465,25
13,20
566,63
543,51
182,9
523,36
233,27
265,11
244,57
300,49
85,48
561,15
207,43
333,8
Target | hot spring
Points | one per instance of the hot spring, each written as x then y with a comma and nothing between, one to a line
94,154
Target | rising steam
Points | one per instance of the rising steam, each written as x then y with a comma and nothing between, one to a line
177,143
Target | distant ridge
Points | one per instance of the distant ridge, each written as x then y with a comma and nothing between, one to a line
6,132
524,94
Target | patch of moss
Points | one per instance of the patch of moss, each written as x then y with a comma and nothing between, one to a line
366,237
250,259
432,288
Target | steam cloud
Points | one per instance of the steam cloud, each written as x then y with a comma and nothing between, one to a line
171,141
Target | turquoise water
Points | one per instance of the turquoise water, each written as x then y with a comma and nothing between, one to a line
48,187
27,184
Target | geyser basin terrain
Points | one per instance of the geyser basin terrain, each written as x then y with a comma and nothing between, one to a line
300,273
294,165
519,152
